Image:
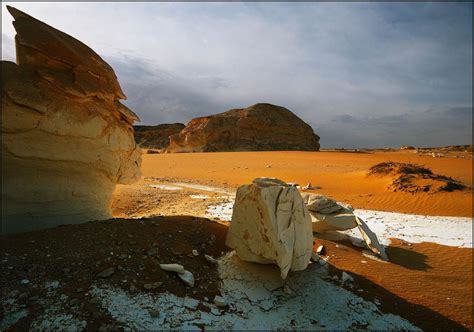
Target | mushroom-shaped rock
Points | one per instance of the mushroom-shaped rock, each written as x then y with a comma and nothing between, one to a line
271,225
66,138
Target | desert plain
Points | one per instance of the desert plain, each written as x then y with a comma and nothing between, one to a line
109,226
405,285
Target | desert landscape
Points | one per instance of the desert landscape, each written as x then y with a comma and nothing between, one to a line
238,219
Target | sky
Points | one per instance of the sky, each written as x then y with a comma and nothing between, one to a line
361,74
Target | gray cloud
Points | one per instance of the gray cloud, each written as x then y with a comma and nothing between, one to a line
429,128
362,74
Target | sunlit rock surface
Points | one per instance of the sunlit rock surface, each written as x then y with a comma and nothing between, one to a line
271,225
66,138
260,127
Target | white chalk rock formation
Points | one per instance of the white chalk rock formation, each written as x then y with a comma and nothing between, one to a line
271,225
327,214
66,138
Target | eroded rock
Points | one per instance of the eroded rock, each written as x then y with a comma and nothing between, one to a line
261,127
270,224
66,138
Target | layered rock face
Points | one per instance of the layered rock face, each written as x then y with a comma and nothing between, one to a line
156,137
271,225
261,127
66,138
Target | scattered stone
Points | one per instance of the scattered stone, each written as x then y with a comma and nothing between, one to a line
190,303
106,273
123,256
210,259
346,277
187,277
66,270
322,261
220,301
268,166
270,224
24,282
52,285
153,285
195,252
320,250
79,290
287,289
173,268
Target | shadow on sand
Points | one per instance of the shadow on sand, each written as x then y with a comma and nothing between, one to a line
419,315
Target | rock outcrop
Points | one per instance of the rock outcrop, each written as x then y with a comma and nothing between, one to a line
261,127
156,137
66,138
271,225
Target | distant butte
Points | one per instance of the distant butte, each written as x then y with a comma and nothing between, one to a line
261,127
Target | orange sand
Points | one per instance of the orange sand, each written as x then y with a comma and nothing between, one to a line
342,175
427,283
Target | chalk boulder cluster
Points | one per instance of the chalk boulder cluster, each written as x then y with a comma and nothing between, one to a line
272,223
66,138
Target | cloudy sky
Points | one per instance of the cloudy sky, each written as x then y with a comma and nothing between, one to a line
361,74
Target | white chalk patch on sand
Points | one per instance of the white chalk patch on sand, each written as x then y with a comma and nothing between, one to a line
165,187
449,231
199,196
221,211
200,187
256,301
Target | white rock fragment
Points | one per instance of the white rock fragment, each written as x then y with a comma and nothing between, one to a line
195,252
190,303
24,282
220,301
187,277
173,268
270,224
371,239
327,214
320,250
346,277
210,259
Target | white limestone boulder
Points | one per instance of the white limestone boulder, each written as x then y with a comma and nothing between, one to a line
327,214
271,225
